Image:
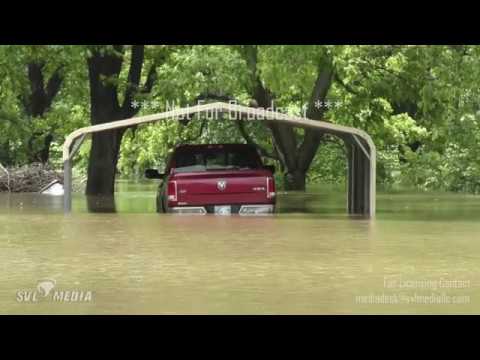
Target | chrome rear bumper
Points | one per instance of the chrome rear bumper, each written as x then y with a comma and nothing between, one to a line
256,209
188,210
253,209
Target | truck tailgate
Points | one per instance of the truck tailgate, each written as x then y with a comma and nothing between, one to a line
216,187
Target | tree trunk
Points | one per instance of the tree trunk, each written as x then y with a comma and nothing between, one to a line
34,153
296,160
104,107
101,171
103,162
36,104
44,153
295,181
103,67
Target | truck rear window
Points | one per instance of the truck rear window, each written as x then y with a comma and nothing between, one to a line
215,159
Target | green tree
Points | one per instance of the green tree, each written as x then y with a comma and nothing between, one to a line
109,103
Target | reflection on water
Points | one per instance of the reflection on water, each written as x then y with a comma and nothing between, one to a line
309,258
101,204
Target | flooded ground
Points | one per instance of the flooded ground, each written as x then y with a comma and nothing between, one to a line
421,254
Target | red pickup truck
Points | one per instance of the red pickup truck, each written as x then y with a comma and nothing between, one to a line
219,179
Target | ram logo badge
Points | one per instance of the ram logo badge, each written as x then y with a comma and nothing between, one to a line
221,185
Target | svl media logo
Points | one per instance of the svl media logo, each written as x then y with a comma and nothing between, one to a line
46,291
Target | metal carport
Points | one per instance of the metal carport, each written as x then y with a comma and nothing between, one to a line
361,149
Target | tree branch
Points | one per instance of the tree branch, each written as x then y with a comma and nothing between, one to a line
40,99
34,102
240,123
320,91
311,140
250,141
151,78
214,96
328,139
133,80
104,67
343,84
53,86
202,126
207,96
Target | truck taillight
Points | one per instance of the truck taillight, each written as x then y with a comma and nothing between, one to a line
270,188
172,191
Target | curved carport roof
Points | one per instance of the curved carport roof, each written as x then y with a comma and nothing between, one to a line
361,149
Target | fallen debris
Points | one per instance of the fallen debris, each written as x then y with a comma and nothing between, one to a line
30,178
5,171
55,188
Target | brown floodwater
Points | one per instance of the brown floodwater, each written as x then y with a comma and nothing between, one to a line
420,255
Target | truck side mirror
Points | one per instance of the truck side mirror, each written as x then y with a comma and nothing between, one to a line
153,174
271,168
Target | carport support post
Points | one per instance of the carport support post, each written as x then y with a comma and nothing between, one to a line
350,178
69,153
67,185
359,173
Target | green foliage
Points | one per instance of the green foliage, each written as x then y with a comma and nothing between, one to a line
456,168
194,70
330,165
19,133
419,104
